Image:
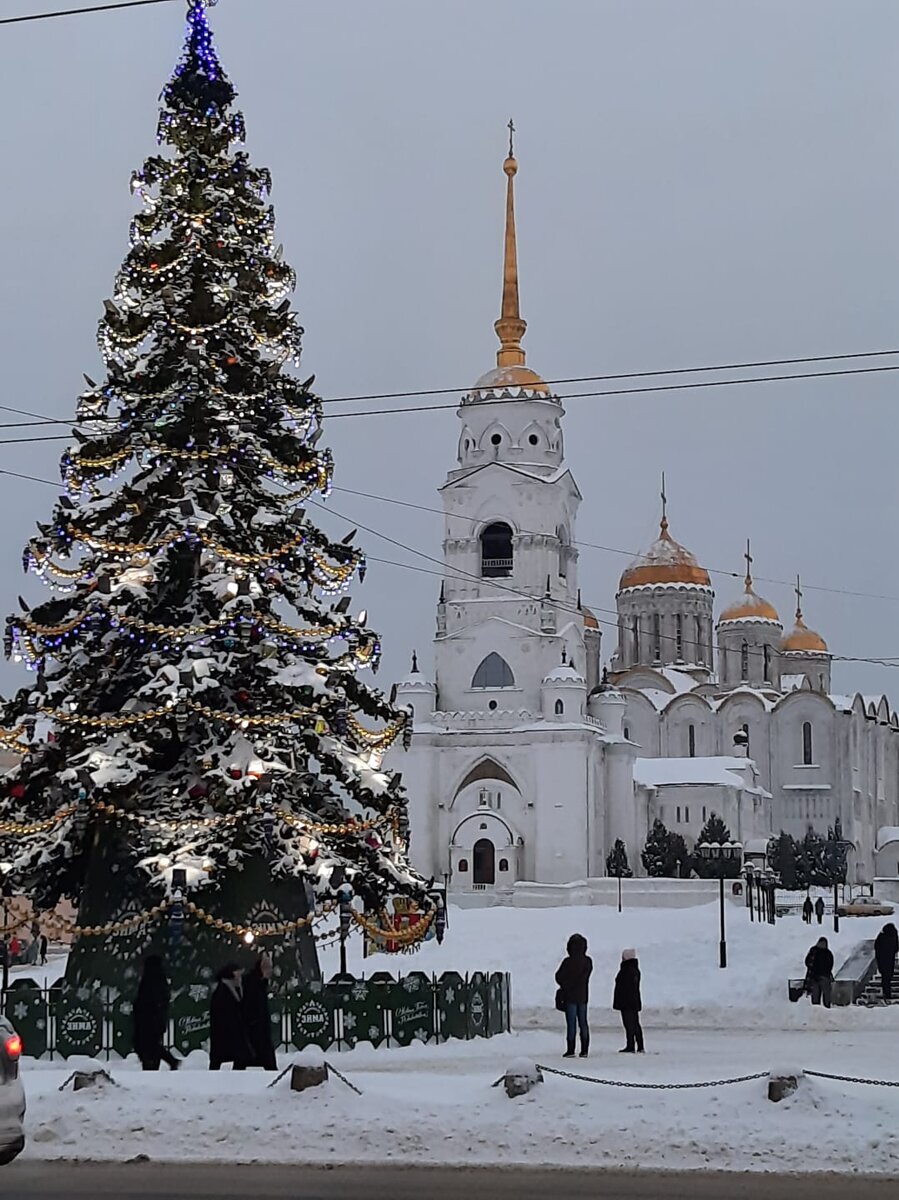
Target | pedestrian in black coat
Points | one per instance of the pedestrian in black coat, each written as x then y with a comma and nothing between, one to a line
150,1017
43,949
886,947
628,1001
819,909
228,1038
256,1013
573,978
807,909
819,968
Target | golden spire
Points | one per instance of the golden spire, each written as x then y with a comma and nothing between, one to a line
510,327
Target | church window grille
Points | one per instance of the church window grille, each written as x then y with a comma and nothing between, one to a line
493,672
496,551
744,661
657,637
559,708
679,637
691,741
807,758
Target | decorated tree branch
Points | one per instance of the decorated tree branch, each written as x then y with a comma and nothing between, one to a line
198,749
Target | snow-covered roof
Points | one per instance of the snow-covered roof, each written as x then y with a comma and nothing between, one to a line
792,683
564,673
679,680
722,769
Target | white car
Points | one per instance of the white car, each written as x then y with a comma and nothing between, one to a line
12,1095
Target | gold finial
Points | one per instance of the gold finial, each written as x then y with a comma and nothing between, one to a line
664,522
510,327
798,591
748,557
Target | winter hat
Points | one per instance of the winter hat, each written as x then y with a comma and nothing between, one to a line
627,955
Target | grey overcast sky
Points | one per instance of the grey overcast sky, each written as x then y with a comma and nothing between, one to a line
700,181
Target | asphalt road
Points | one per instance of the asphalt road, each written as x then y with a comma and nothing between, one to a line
157,1181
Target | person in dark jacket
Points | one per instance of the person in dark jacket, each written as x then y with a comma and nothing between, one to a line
256,1013
573,978
43,949
807,909
150,1016
228,1038
886,947
628,1002
819,909
819,972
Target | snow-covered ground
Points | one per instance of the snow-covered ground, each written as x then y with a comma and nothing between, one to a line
434,1104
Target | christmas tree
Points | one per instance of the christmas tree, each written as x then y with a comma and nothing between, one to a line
201,765
665,853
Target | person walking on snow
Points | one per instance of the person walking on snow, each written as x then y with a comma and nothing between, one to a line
819,909
228,1039
628,1002
150,1017
573,978
807,910
819,967
257,1015
43,945
886,947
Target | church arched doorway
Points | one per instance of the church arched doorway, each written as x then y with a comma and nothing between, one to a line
484,862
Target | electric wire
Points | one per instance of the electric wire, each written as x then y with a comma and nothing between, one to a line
77,12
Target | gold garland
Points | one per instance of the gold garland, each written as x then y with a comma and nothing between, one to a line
402,937
38,826
176,632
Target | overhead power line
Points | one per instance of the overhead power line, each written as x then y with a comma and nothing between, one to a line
77,12
630,391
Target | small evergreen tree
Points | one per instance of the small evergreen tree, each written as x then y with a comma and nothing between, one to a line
616,862
810,855
665,854
783,859
713,831
834,857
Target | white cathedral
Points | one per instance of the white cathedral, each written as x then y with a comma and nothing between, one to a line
528,760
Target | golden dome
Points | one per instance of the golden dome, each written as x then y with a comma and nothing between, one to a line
590,621
501,378
803,640
666,561
749,607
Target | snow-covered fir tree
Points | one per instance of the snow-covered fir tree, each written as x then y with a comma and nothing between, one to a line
195,722
665,855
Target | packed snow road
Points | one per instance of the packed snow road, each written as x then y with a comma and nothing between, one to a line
30,1181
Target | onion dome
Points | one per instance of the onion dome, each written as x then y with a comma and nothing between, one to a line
750,606
665,562
802,640
590,621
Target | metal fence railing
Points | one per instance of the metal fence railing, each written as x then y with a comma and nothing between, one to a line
383,1010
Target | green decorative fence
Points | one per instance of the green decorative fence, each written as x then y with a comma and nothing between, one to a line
382,1010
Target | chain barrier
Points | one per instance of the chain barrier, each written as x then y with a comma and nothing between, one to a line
854,1079
657,1087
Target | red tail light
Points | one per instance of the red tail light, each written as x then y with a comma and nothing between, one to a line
13,1046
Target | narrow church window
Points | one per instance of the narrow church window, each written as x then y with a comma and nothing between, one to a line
635,630
767,657
687,815
691,740
744,661
678,814
807,759
463,865
504,864
494,672
560,708
496,550
679,638
700,654
627,733
657,637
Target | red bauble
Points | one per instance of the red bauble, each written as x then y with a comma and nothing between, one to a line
17,791
235,772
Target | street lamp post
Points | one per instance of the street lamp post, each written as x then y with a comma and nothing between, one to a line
749,872
719,854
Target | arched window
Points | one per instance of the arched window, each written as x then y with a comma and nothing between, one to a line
656,637
494,672
562,535
560,708
679,637
503,864
627,733
700,651
635,631
807,759
496,550
744,661
691,741
463,866
767,662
